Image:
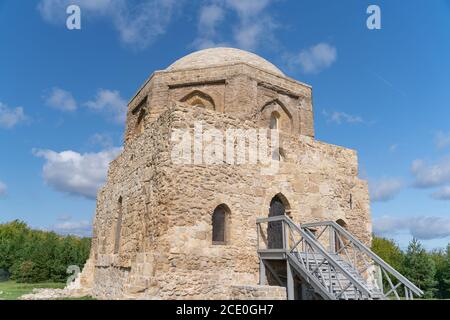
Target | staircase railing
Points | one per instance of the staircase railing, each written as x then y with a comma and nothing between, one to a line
380,275
309,258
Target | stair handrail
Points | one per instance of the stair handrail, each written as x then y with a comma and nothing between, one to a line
313,242
370,253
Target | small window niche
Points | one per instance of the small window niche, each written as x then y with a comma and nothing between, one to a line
220,225
118,230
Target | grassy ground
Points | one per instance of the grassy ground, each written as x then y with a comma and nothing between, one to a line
11,290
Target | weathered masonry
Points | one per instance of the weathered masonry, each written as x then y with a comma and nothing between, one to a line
175,231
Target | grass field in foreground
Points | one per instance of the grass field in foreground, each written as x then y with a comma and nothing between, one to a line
11,290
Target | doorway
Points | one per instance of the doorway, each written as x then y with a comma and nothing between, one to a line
275,228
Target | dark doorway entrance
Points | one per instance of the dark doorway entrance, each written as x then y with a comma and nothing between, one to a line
275,229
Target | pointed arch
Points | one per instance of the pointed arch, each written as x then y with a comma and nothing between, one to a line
275,110
280,104
282,198
139,127
342,223
199,98
274,120
279,206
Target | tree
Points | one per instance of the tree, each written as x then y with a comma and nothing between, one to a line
34,256
446,276
440,259
420,268
12,237
389,251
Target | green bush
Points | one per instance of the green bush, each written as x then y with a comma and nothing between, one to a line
430,271
31,256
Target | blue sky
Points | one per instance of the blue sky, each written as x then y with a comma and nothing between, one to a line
382,92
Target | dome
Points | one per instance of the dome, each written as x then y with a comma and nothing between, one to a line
222,56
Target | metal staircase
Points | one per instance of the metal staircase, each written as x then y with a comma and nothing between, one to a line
324,261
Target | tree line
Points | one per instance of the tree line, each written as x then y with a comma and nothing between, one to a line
430,271
32,256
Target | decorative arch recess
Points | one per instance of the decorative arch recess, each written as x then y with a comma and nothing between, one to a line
199,98
275,109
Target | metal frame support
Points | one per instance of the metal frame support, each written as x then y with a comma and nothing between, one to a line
301,249
290,281
332,235
262,273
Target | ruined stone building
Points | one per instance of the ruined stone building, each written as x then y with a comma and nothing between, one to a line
165,230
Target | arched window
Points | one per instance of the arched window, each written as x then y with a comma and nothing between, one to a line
118,226
220,223
139,128
274,120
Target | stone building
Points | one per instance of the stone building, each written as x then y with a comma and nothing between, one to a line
166,230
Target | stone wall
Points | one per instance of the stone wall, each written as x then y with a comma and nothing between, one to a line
258,293
166,249
240,90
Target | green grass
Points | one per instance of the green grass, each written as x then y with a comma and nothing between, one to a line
11,290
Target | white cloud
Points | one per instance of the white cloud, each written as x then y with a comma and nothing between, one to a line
60,99
110,103
442,194
442,140
314,59
393,148
101,139
75,173
254,24
248,8
2,189
385,189
10,117
423,228
249,36
210,17
138,23
342,117
142,24
67,226
427,176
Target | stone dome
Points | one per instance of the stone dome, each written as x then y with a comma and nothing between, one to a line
222,56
